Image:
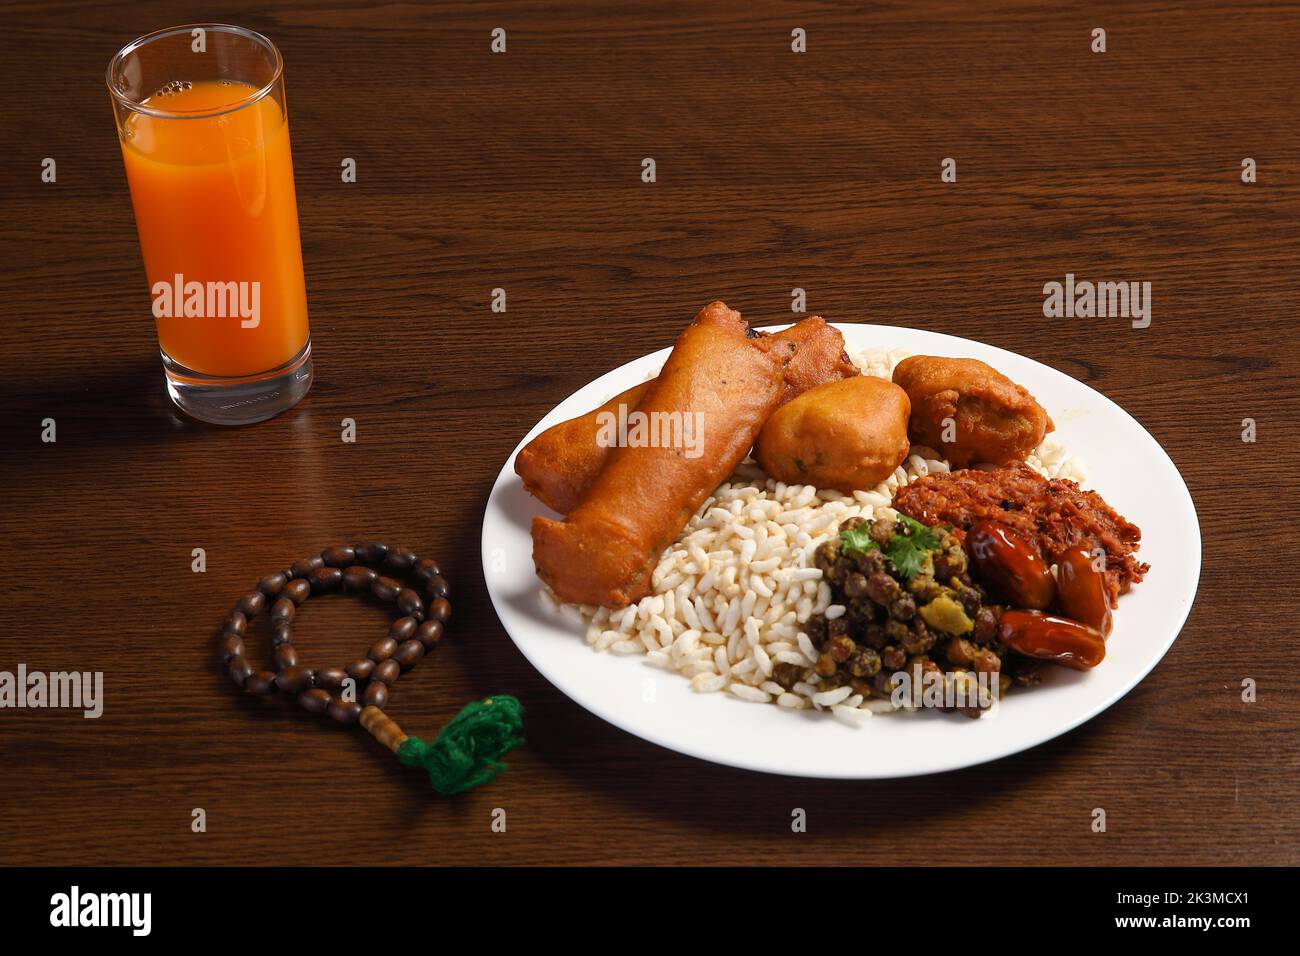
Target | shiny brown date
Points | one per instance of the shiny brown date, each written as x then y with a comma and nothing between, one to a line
1051,638
1081,590
1010,565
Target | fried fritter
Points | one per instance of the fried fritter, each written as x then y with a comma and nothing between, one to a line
819,356
848,435
969,411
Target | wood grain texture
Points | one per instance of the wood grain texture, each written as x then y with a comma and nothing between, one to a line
521,171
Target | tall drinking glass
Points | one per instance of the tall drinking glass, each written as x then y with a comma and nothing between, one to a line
205,138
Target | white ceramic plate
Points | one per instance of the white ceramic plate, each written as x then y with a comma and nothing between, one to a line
1124,463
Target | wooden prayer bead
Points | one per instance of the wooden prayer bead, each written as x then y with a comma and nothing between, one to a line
376,695
232,646
358,578
372,552
409,654
400,561
314,701
385,588
305,566
344,711
294,679
330,677
283,610
261,682
240,670
409,603
273,584
339,557
426,569
429,634
403,629
440,610
361,670
324,580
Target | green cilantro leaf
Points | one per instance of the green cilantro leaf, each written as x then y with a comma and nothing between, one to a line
906,556
925,537
907,551
858,539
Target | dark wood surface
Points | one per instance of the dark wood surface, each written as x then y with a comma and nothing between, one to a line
522,171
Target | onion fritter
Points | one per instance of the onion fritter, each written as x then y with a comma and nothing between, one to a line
969,411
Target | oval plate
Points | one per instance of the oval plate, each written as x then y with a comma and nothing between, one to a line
1122,461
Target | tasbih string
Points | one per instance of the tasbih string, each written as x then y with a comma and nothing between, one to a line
466,753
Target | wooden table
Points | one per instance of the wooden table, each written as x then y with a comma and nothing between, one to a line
522,171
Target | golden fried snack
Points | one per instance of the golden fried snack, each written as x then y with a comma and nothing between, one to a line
559,465
848,435
819,356
605,551
986,416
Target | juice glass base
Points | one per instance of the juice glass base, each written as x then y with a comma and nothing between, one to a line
240,400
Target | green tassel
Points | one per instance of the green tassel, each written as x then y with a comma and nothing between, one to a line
466,751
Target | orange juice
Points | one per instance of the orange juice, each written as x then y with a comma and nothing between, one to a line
214,205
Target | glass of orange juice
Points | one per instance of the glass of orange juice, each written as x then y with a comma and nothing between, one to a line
205,138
